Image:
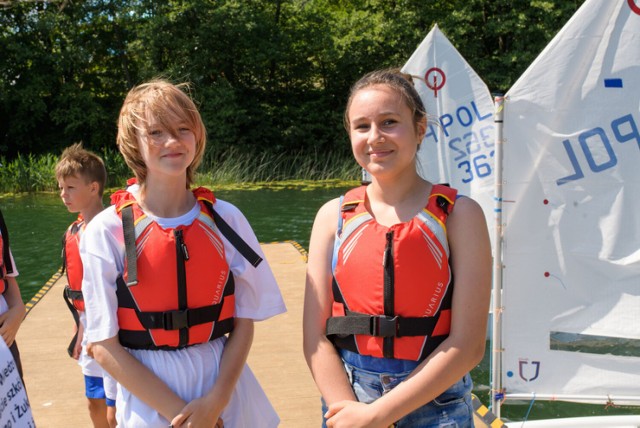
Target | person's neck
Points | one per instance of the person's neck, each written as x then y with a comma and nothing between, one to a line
167,199
397,189
396,201
91,211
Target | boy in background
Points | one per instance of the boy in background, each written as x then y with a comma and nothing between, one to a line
81,179
12,307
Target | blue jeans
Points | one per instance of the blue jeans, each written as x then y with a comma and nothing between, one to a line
451,409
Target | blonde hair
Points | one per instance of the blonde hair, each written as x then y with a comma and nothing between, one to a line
76,161
163,100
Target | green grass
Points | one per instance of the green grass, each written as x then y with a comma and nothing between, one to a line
231,168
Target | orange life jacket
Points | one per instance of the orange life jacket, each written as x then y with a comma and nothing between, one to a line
177,289
72,264
5,259
392,286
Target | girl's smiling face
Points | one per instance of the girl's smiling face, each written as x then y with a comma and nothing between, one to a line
384,137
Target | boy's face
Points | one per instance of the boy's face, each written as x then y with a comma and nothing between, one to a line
77,193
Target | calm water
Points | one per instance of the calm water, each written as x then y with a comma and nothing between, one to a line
36,224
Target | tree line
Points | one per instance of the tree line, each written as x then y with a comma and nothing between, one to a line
268,75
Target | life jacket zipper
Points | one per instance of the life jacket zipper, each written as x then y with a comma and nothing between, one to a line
389,279
181,256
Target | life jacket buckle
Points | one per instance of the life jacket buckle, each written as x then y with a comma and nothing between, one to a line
384,326
73,294
175,320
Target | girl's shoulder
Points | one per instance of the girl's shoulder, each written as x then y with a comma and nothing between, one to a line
466,217
330,210
464,205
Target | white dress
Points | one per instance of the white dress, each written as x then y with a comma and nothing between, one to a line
190,372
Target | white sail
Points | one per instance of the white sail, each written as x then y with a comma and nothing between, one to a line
459,145
571,212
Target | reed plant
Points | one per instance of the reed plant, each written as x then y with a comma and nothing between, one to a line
28,173
36,173
233,166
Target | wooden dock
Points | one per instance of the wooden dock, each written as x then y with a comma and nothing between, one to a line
55,384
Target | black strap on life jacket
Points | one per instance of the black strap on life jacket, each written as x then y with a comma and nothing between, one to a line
73,294
6,256
176,316
381,325
130,241
341,330
171,320
129,231
389,291
238,243
68,294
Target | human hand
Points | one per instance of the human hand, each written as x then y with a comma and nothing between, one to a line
77,348
198,413
10,323
352,414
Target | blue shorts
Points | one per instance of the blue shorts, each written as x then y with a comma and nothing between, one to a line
371,378
94,387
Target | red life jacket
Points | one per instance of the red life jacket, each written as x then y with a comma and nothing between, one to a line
392,286
177,289
5,258
72,264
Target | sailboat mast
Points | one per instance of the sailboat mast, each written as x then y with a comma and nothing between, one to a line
496,297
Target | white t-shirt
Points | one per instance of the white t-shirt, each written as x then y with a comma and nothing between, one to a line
3,303
90,367
190,372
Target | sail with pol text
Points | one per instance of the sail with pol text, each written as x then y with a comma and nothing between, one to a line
571,213
458,147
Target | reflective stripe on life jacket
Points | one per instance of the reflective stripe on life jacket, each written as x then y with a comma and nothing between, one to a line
72,264
392,286
182,292
5,261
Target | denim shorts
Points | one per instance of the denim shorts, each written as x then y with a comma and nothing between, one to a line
451,409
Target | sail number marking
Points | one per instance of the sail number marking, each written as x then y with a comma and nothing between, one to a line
597,148
472,151
478,165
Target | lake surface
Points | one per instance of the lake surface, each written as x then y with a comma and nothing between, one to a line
37,222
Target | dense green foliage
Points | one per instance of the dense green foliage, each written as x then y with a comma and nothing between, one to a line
269,75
